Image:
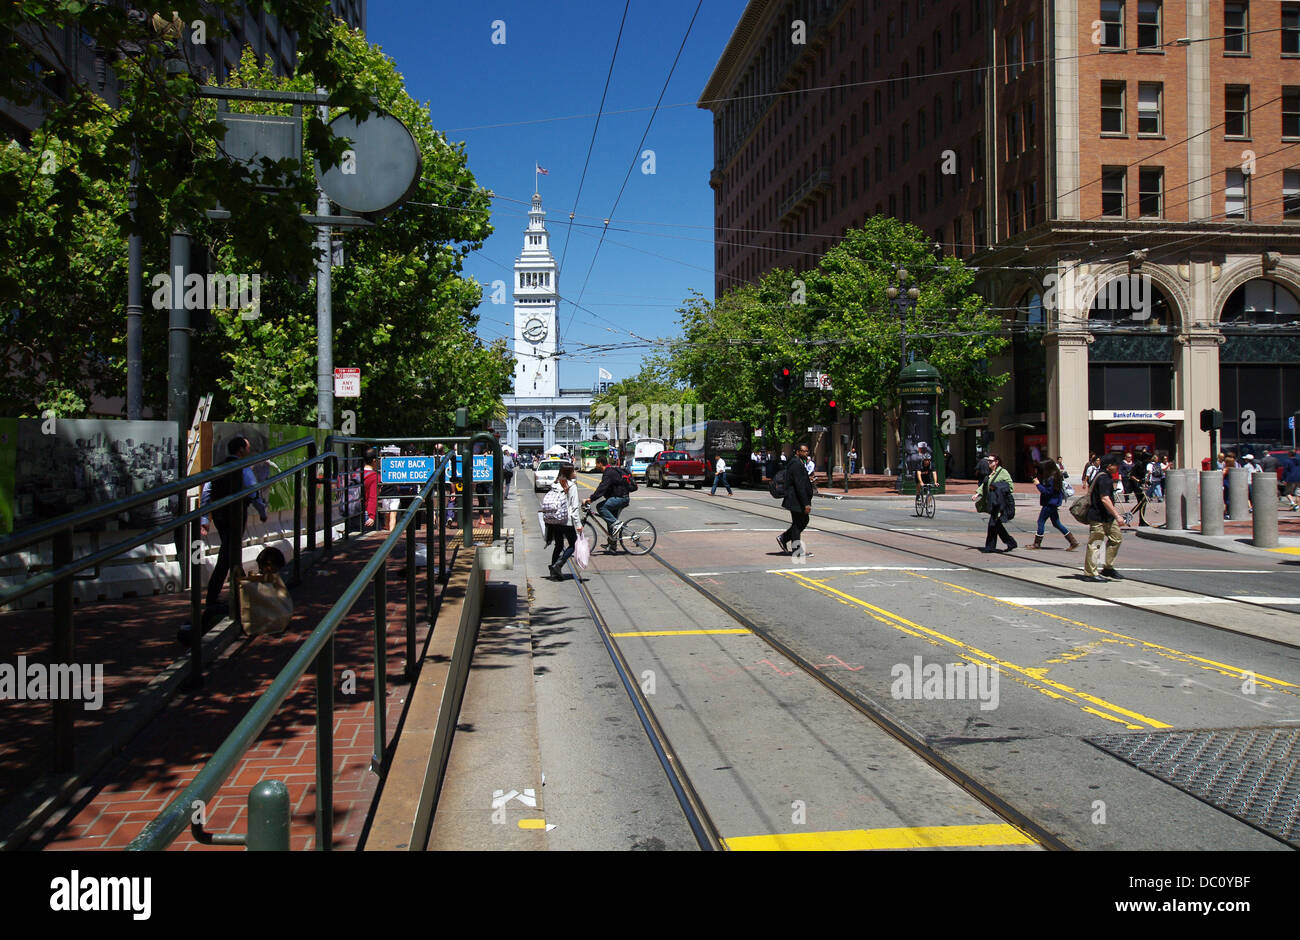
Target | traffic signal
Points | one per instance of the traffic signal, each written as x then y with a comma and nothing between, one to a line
832,412
782,378
1211,419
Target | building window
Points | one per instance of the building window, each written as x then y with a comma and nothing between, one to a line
1235,19
938,48
1291,194
921,194
1031,204
1151,188
958,245
892,152
907,141
1013,56
1013,134
977,159
1291,111
920,128
879,164
853,183
891,93
1013,212
938,115
956,30
1236,111
1030,33
1112,191
907,203
1031,124
1112,107
1149,94
956,100
876,104
1236,195
1291,29
938,182
1112,24
977,226
1148,24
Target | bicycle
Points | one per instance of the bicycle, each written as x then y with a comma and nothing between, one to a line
924,501
637,536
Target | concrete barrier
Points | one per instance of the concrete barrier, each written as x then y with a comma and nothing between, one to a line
1263,491
1175,493
1191,499
1238,494
1211,502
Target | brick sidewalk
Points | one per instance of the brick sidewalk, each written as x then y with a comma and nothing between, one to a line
130,791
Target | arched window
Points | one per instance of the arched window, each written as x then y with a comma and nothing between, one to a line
1260,303
567,431
530,431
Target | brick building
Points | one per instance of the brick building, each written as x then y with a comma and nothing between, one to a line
1125,175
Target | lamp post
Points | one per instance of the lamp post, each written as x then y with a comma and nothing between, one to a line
904,298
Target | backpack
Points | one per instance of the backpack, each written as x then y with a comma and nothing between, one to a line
555,507
776,486
630,482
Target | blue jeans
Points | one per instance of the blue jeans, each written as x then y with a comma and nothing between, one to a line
1051,513
720,478
610,508
853,465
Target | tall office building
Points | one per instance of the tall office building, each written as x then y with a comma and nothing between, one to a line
1124,174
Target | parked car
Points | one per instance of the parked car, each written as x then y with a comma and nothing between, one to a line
546,473
675,466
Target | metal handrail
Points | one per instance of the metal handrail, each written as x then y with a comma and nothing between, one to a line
317,649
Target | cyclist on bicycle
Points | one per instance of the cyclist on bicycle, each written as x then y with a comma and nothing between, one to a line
926,474
614,489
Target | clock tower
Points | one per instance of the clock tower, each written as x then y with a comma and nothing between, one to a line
536,326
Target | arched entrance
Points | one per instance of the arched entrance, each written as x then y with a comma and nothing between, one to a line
531,436
1259,366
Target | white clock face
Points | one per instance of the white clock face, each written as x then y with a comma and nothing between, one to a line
535,330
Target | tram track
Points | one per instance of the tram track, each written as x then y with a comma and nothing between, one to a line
706,831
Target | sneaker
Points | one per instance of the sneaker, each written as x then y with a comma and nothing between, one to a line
1112,574
1013,546
1094,579
781,542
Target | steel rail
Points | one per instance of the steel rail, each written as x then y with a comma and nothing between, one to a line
702,826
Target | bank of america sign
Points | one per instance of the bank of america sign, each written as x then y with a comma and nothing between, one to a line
1135,416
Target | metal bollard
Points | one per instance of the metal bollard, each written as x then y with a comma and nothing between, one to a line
1211,502
268,817
1238,493
1191,499
1263,491
1175,492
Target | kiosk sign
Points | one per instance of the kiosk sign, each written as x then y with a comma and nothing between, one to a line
419,469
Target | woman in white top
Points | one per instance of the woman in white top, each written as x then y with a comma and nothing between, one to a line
561,532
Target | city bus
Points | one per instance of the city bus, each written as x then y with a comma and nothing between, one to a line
588,451
710,440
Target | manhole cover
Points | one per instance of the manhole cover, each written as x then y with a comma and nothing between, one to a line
1252,774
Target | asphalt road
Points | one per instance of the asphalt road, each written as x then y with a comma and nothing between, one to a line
1055,661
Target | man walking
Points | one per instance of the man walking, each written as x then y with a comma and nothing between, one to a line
720,476
798,499
1103,524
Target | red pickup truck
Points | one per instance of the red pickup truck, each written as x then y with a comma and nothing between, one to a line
671,466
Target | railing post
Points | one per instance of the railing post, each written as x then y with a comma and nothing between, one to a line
325,747
498,492
442,532
330,466
381,664
61,651
467,493
347,490
311,497
410,597
297,527
268,817
195,555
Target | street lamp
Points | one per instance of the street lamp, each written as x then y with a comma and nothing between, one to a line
904,298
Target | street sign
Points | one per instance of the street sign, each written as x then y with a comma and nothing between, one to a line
825,381
816,379
419,469
347,383
816,428
1290,423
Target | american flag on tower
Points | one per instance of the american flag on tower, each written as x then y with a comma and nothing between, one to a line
542,170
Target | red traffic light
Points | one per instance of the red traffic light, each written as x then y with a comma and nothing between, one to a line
832,402
785,371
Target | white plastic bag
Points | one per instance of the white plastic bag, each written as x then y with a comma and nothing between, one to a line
582,551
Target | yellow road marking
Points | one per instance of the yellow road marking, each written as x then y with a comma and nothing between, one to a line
1029,676
1285,550
684,632
532,824
1231,672
913,837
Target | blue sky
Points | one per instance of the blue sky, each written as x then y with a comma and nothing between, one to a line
552,66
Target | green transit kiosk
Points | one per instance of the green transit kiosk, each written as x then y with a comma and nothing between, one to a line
919,391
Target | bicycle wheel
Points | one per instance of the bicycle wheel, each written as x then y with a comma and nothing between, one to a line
589,534
929,505
637,536
1152,513
918,508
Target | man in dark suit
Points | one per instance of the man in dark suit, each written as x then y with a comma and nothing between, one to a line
798,499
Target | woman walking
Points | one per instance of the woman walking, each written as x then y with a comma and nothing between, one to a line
559,532
1051,493
993,496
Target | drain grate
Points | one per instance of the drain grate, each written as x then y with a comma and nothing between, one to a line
1253,774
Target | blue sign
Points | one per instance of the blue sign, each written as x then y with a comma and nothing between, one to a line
419,469
1290,423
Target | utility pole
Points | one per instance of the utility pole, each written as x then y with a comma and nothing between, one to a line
134,305
324,309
